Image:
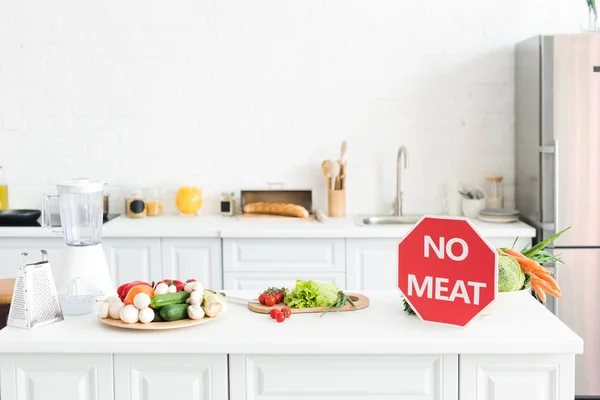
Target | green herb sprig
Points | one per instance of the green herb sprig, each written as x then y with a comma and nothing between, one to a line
407,308
342,298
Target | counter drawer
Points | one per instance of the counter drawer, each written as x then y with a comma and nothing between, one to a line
284,255
260,281
264,377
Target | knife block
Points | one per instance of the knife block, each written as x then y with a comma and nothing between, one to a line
336,203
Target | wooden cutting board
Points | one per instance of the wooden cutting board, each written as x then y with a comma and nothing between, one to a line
360,300
6,290
268,217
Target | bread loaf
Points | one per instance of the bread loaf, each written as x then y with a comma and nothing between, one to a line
286,209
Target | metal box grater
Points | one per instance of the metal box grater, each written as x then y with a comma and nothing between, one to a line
34,302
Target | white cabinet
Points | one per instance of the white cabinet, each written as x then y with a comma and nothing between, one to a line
283,255
260,263
56,377
509,242
11,249
419,377
372,264
131,259
170,376
262,280
531,377
184,258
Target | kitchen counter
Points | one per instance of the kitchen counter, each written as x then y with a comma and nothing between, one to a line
381,328
236,227
378,353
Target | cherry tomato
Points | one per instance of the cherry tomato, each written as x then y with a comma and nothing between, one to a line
180,287
273,313
279,297
261,298
177,282
279,317
286,312
270,300
191,280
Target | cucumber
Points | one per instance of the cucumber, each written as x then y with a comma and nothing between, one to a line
174,312
157,317
161,300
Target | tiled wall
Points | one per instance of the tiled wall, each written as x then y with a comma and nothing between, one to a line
235,94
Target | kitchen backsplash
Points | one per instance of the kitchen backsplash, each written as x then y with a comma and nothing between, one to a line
232,95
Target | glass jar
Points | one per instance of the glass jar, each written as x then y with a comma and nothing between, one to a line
135,204
3,191
153,200
494,192
188,200
227,203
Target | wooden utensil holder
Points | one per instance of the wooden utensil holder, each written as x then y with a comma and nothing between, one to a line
336,202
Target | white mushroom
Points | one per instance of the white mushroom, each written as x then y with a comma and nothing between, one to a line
113,299
161,288
195,312
196,297
129,314
114,309
141,301
172,289
103,312
146,315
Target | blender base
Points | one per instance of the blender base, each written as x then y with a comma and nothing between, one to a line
87,263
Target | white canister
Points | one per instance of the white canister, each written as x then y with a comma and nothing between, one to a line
471,207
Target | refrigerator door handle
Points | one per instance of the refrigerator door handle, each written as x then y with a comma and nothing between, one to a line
556,186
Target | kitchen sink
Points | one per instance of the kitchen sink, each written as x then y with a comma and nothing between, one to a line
389,220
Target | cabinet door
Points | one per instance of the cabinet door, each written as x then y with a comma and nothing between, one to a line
166,376
133,259
531,377
11,249
184,258
56,377
263,280
342,377
372,264
279,255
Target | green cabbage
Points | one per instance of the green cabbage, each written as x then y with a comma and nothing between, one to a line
309,294
510,275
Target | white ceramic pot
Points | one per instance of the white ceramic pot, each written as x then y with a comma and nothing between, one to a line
471,207
506,300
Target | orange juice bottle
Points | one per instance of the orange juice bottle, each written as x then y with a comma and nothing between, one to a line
188,200
3,192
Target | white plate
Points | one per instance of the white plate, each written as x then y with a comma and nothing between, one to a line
499,212
499,219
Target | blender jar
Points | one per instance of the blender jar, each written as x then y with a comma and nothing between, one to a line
80,204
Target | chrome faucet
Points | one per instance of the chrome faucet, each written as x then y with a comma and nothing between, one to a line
398,202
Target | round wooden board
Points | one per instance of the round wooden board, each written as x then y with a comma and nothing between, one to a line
360,300
155,326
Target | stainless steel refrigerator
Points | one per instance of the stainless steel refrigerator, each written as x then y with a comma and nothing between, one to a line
557,151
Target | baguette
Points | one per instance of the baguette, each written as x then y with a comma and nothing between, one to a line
286,209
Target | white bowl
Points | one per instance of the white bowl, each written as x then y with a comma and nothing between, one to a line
505,300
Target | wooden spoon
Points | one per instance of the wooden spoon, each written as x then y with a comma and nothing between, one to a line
333,172
325,169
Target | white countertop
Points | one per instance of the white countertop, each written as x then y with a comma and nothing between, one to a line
235,227
382,328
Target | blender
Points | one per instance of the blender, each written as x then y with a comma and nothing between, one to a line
80,203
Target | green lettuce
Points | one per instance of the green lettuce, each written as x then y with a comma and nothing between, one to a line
309,294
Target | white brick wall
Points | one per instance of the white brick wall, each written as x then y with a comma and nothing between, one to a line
234,94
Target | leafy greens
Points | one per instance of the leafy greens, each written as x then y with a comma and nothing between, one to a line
310,293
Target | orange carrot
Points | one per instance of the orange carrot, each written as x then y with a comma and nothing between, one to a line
550,281
536,286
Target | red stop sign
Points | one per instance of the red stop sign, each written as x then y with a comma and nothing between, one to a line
446,270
